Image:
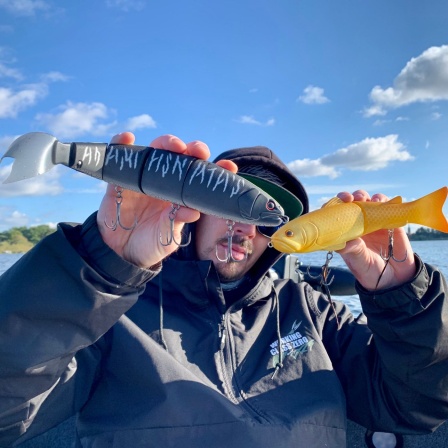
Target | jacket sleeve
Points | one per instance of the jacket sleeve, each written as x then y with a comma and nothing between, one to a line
393,361
56,303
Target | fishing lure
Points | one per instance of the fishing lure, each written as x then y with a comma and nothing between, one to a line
337,222
178,178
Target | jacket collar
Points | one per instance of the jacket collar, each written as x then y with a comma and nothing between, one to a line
197,283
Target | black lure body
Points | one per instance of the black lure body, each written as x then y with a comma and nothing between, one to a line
178,178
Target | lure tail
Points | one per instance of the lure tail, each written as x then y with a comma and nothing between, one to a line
429,210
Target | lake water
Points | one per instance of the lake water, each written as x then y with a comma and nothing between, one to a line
7,260
432,252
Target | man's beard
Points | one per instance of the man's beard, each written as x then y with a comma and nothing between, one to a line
233,270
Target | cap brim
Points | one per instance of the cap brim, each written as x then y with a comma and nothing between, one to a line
291,204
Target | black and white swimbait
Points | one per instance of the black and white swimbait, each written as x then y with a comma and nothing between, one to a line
178,178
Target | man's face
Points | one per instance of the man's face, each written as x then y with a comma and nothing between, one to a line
211,238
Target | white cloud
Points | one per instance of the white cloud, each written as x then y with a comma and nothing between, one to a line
7,72
313,95
312,168
126,5
45,185
374,110
423,79
5,141
249,119
12,102
380,122
54,76
15,100
12,219
369,154
24,7
75,119
140,122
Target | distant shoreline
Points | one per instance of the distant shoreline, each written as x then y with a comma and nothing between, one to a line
11,249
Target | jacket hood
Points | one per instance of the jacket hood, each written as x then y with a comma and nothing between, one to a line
257,156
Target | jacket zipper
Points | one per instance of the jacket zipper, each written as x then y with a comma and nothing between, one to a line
227,383
231,390
222,333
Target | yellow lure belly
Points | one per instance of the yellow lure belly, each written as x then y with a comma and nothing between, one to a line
337,222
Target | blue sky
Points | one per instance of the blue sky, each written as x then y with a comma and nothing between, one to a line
352,94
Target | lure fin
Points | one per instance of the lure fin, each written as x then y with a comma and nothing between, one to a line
332,202
430,210
395,200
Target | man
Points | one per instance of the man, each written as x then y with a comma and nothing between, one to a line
158,345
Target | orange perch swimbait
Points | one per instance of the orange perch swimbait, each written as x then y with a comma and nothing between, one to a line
337,222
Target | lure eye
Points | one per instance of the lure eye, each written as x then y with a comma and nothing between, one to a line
270,205
289,233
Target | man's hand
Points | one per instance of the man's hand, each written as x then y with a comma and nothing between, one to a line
363,256
142,244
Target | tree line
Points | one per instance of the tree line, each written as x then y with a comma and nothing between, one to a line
32,235
423,233
24,236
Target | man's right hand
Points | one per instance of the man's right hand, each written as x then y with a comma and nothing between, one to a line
142,245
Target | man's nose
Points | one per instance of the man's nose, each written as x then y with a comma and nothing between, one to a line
248,230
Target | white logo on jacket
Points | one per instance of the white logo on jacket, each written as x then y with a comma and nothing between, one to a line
293,344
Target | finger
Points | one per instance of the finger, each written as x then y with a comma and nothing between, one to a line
379,197
185,214
361,196
125,138
353,246
228,165
169,142
198,149
345,196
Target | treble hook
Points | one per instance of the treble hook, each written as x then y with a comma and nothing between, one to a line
118,201
170,237
390,249
229,234
389,256
325,271
324,284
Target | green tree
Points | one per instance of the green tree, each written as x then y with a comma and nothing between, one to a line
36,233
16,236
